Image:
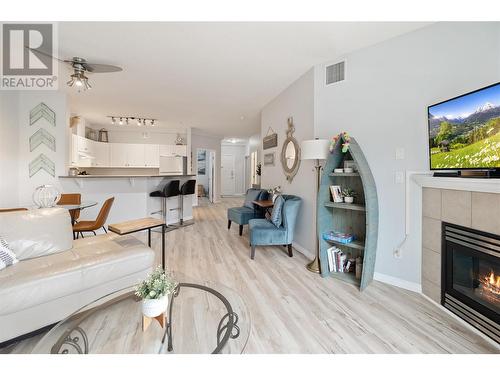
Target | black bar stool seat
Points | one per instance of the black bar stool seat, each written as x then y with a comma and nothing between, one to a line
171,189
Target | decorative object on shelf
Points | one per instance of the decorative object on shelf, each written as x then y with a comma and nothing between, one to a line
90,134
42,162
290,153
346,142
179,141
359,268
73,171
348,195
360,217
258,171
336,194
103,135
270,140
154,291
42,110
274,192
350,166
269,159
74,121
140,121
338,170
315,149
42,136
46,196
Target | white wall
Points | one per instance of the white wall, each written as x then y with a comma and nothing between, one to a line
238,152
254,144
296,101
199,139
382,103
16,156
9,139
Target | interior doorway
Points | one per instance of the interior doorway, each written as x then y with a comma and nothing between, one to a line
205,175
228,175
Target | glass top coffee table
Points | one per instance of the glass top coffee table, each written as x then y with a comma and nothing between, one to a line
201,318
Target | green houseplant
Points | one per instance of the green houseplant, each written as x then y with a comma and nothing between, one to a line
154,291
348,195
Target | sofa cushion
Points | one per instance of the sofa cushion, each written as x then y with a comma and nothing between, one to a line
7,257
240,215
276,215
38,232
91,262
252,195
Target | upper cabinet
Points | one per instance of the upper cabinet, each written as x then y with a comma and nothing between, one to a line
152,156
173,150
100,153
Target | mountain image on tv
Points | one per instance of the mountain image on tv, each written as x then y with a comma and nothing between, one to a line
464,132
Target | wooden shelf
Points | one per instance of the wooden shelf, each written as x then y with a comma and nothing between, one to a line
352,174
360,245
348,277
346,206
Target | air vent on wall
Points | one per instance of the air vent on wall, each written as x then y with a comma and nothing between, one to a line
335,73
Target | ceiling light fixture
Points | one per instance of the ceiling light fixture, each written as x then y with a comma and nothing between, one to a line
80,80
138,122
129,120
113,121
152,122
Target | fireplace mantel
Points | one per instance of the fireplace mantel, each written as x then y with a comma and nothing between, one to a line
483,185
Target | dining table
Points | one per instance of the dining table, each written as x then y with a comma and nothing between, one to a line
74,207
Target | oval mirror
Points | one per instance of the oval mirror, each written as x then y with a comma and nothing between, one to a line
290,153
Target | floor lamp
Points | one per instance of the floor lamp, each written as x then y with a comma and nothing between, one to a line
315,149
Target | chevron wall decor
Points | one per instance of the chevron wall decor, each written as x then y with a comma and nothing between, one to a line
42,110
42,136
42,162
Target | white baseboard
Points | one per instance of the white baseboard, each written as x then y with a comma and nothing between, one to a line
400,283
303,250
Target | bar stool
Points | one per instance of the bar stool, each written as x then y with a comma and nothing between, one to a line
170,190
188,188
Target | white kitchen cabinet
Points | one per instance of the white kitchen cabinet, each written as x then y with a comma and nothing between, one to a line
74,151
118,154
152,156
100,153
84,145
135,155
173,150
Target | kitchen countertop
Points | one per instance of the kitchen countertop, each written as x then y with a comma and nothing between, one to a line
130,176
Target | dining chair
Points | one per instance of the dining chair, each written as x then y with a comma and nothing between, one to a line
93,225
72,198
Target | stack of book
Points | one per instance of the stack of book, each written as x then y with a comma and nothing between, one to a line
339,237
337,260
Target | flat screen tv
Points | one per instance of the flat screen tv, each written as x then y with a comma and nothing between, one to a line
464,132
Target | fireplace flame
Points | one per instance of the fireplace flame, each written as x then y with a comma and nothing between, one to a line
492,283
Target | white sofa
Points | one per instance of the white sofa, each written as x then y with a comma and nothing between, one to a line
56,275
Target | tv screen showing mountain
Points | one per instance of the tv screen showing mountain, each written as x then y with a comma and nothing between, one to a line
464,132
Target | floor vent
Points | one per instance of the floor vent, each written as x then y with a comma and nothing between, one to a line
335,73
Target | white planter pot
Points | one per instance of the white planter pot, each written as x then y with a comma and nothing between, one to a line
348,199
154,307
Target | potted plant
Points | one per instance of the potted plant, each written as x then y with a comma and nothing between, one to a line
348,195
154,291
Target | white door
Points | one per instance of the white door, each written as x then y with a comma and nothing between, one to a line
227,175
152,155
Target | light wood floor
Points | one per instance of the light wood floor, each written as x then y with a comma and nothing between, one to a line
295,311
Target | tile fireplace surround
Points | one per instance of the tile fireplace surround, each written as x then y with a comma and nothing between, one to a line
471,209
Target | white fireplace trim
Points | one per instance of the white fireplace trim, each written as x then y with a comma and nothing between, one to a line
482,185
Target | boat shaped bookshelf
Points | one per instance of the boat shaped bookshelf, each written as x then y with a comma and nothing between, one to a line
359,218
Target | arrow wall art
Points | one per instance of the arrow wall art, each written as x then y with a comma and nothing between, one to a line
42,136
42,162
42,110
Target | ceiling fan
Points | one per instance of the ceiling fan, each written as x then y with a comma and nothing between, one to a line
81,66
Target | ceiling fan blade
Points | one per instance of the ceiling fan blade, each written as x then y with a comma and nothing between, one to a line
37,51
101,68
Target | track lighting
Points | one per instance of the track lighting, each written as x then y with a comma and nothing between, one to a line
140,121
121,121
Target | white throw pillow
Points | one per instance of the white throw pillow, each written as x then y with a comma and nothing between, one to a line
36,233
7,257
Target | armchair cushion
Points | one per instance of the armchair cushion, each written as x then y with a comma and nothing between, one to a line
276,217
264,232
252,195
240,215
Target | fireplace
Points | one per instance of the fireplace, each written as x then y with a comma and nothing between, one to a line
471,277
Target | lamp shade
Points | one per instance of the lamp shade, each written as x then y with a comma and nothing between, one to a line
316,149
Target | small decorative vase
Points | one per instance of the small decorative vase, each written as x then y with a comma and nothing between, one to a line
46,196
348,199
274,196
154,307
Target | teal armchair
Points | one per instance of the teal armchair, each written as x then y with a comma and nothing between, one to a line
265,233
242,215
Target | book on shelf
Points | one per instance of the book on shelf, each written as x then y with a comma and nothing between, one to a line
339,237
336,193
337,260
